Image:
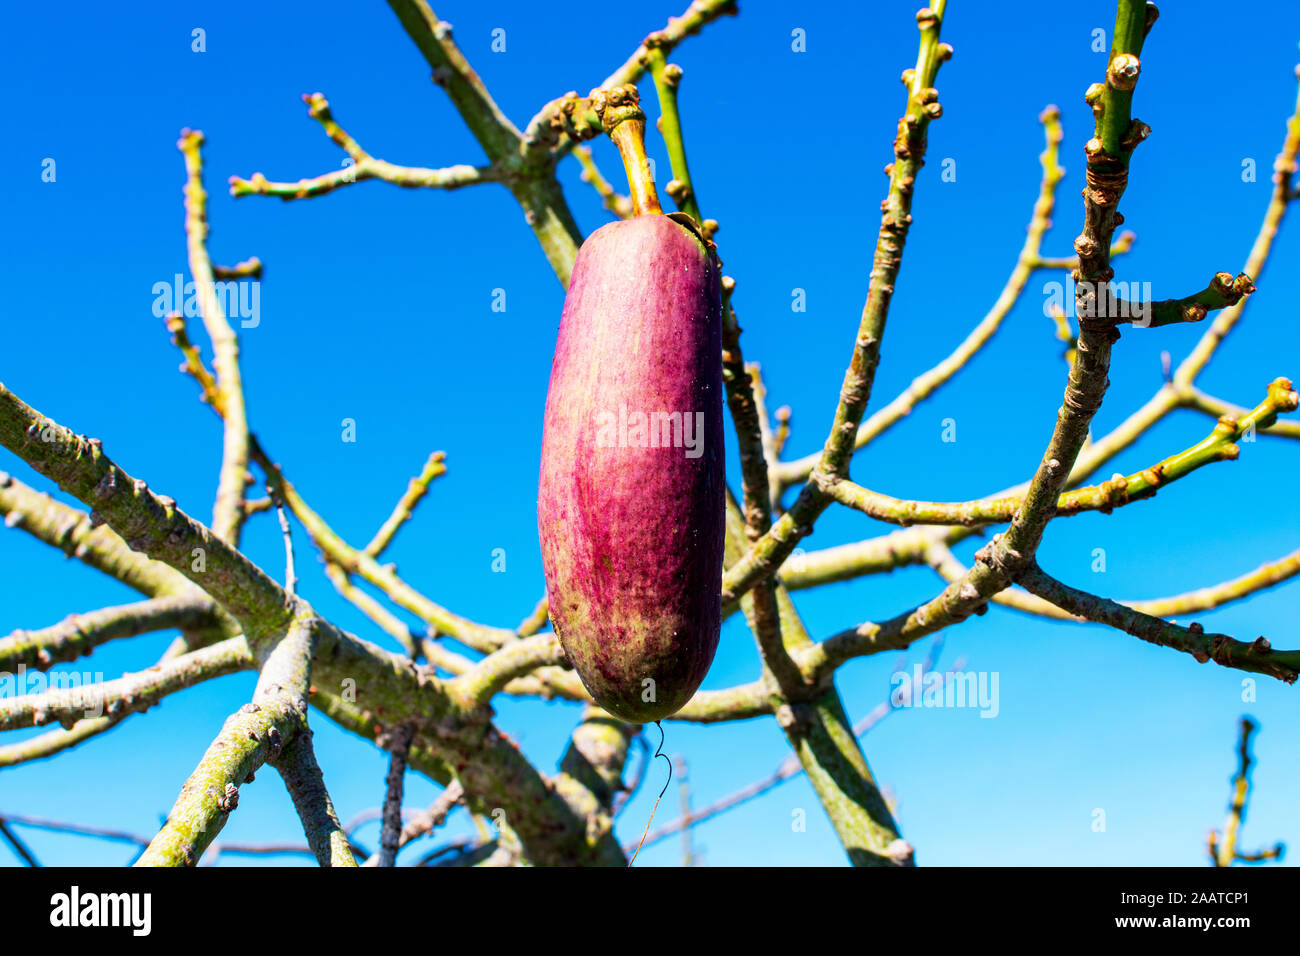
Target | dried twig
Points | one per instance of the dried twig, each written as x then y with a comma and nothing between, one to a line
1224,852
399,744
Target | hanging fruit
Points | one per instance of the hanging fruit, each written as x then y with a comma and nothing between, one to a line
630,502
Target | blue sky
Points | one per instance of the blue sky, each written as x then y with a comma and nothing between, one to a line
377,306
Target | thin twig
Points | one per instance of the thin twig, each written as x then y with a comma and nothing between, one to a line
228,513
1224,853
16,844
416,489
399,744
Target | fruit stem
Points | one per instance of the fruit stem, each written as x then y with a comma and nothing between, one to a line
621,116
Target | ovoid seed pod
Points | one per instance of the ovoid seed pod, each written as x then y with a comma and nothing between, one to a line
630,503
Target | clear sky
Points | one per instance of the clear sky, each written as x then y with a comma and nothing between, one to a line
377,306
